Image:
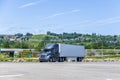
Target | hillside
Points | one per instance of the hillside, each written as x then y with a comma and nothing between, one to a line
90,41
36,39
39,41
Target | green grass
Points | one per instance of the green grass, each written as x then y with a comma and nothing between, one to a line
36,39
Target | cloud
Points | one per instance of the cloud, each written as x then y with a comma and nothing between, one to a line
54,15
105,21
86,24
76,10
61,13
29,4
109,20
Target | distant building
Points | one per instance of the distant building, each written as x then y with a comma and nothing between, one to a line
6,37
13,37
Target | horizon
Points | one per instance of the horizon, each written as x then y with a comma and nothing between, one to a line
64,32
80,16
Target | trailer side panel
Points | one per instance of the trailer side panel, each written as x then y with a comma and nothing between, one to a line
67,50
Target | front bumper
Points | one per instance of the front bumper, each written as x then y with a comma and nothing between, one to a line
43,60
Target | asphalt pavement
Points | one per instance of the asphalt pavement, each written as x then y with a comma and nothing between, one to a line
60,71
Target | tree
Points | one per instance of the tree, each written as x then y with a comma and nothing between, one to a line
29,34
40,46
24,45
19,34
6,44
48,32
17,45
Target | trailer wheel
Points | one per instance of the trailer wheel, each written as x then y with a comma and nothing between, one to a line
79,59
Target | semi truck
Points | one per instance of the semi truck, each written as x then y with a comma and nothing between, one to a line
62,52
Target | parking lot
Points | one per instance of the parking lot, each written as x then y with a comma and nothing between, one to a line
60,71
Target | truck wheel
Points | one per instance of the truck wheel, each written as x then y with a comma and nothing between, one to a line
40,61
51,60
64,59
60,59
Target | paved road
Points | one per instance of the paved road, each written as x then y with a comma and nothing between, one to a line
60,71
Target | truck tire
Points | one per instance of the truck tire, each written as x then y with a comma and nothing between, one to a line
77,59
64,59
60,59
41,61
50,59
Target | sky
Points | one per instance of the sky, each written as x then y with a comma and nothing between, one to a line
40,16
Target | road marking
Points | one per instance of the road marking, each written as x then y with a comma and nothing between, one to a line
17,75
108,79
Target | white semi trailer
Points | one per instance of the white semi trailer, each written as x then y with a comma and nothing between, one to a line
62,52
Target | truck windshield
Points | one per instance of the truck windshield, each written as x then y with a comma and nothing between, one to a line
47,51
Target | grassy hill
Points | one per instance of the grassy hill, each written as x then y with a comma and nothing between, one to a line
36,39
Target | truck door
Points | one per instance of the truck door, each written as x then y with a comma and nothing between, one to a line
56,50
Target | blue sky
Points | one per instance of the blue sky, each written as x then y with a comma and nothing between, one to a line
40,16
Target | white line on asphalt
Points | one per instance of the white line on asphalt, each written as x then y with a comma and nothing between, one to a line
108,79
17,75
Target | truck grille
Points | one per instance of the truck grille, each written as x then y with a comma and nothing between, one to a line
42,56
